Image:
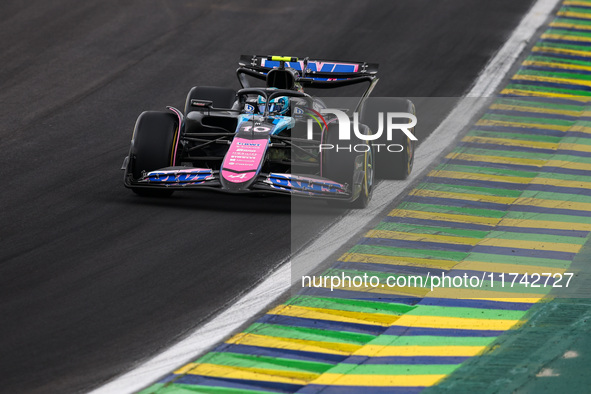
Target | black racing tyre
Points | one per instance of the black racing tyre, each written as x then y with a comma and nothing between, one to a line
340,166
221,97
390,165
152,147
367,182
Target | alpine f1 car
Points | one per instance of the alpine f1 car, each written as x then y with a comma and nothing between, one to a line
271,139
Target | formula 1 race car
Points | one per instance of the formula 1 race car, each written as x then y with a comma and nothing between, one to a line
274,138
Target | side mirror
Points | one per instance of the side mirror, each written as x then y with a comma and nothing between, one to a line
202,103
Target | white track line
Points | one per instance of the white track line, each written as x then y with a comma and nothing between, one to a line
258,299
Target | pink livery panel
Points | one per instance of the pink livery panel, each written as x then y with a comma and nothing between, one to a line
243,160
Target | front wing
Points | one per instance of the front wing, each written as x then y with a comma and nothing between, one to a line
183,178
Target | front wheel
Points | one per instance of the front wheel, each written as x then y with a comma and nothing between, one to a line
367,161
355,168
390,163
152,147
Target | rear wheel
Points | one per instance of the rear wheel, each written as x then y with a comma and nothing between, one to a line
152,147
390,164
221,97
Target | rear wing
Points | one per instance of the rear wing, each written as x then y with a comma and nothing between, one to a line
314,73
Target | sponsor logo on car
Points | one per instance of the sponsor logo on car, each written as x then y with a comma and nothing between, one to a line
237,176
248,144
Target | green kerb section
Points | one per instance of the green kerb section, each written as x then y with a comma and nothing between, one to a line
536,237
505,153
394,369
555,74
488,213
309,334
405,252
465,312
537,104
341,304
486,170
276,363
548,89
525,119
409,228
429,340
488,191
519,260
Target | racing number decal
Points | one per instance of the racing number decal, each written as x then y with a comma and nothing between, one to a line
256,129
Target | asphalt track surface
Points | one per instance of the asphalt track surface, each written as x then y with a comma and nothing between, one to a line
94,279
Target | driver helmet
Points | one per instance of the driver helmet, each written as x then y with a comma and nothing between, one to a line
279,105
